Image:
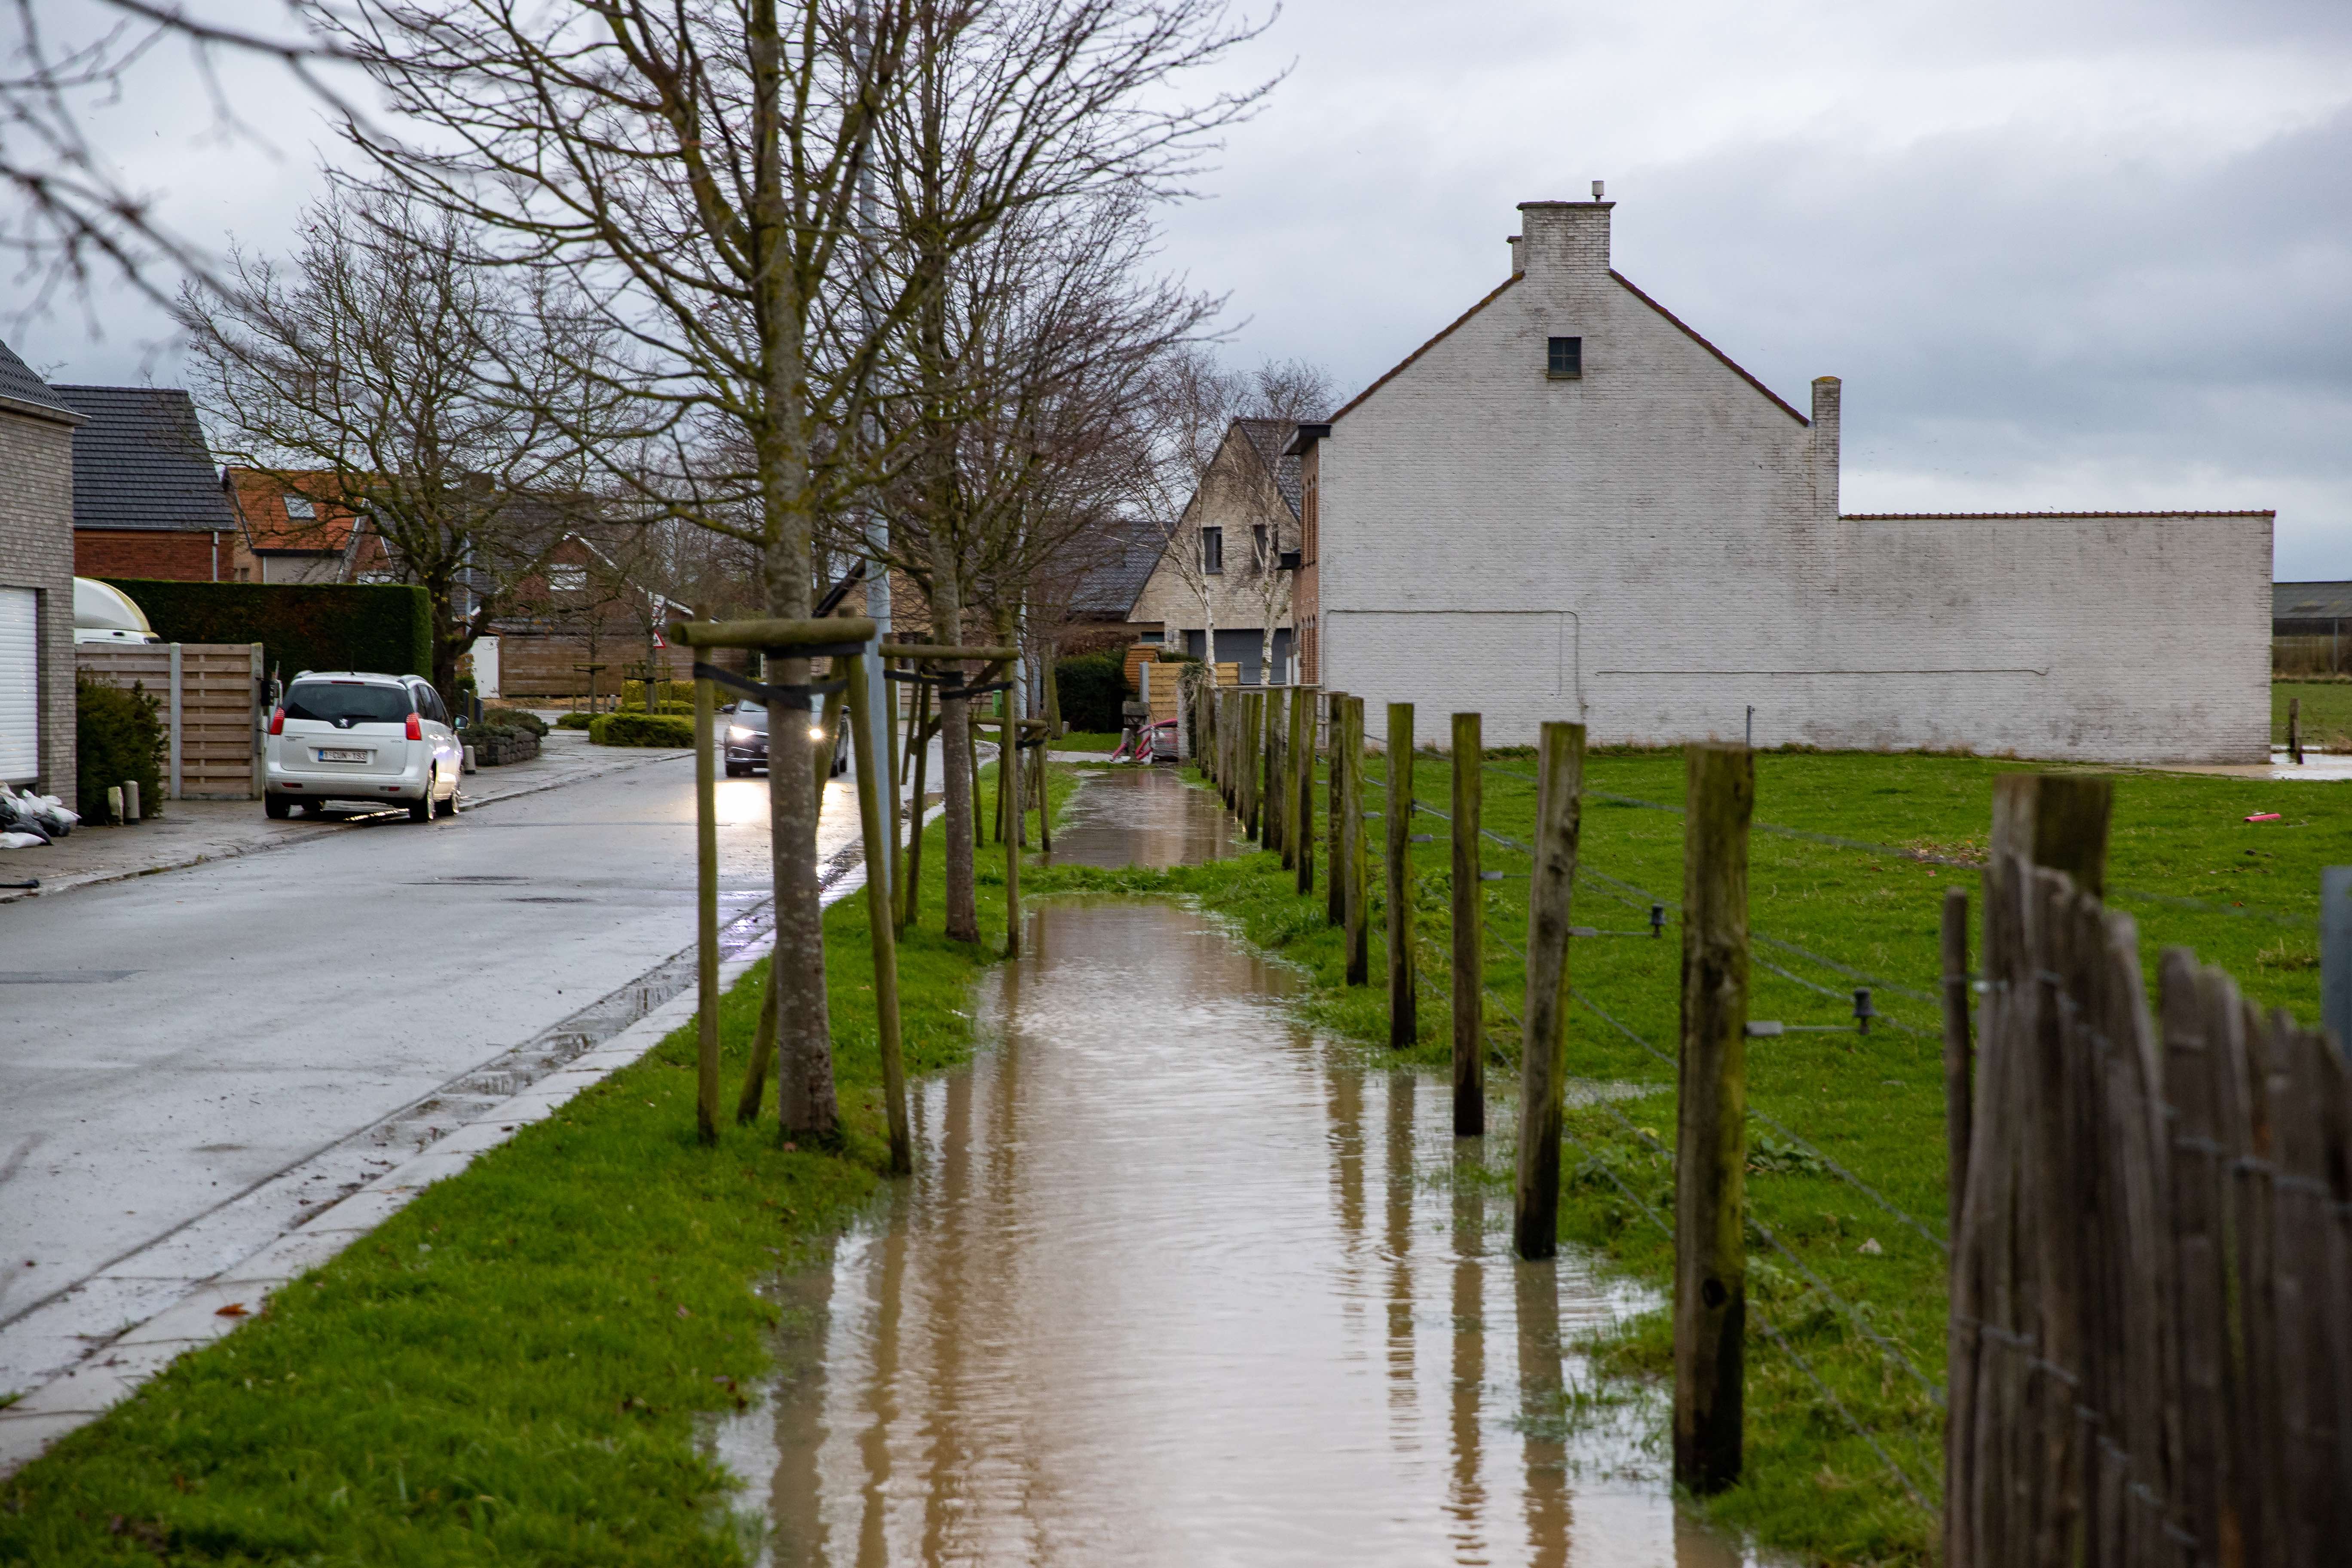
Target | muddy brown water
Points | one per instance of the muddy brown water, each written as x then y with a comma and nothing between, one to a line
1179,1283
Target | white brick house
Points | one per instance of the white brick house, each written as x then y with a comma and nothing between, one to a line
1570,505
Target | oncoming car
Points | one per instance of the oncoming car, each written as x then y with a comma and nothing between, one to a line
347,735
743,740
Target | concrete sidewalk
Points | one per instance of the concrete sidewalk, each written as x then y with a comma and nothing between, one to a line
191,832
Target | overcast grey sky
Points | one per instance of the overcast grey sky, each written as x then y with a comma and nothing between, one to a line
2081,254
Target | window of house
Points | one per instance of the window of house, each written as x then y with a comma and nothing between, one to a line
1258,545
1154,637
1566,361
300,510
1213,551
567,579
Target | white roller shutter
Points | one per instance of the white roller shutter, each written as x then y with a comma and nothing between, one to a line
20,685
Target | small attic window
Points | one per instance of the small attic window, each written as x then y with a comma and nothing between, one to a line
1566,360
300,510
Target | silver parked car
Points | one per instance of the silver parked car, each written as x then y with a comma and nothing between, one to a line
347,735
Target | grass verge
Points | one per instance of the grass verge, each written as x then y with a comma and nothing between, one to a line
2327,712
510,1369
2183,860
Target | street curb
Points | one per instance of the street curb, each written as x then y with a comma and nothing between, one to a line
106,1377
312,834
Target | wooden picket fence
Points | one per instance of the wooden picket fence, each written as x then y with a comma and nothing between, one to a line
2151,1313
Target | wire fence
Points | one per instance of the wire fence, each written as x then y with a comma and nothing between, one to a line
1810,972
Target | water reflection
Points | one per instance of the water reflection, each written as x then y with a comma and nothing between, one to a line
1141,817
1178,1283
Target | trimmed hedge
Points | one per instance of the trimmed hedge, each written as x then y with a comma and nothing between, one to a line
386,627
633,694
641,729
118,738
574,720
514,719
1093,689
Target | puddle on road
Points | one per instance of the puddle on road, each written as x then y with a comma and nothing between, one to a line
1178,1283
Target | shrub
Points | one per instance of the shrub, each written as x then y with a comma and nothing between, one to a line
514,719
121,739
384,626
633,695
641,728
575,720
1093,687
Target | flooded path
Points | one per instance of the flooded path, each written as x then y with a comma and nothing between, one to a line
1177,1283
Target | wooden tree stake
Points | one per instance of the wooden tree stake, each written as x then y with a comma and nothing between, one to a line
1299,832
705,918
872,767
1359,958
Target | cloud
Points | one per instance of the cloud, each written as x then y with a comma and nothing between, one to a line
2063,252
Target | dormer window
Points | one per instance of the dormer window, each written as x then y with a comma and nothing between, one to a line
300,510
1566,360
568,579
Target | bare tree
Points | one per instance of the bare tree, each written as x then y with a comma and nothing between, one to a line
1195,400
377,375
697,167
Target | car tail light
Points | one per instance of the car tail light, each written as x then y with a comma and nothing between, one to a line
415,727
277,721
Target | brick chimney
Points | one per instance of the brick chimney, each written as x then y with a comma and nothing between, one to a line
1826,390
1566,240
1514,243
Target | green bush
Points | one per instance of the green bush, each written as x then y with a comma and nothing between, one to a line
641,728
1093,687
633,695
517,719
575,720
382,627
120,739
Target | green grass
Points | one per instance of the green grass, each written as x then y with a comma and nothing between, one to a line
1105,741
1874,1105
510,1369
2327,712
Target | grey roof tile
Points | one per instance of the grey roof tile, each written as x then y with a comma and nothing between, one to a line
141,461
18,382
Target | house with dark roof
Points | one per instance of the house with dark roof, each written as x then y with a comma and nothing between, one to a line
37,573
297,528
147,499
1567,504
1221,570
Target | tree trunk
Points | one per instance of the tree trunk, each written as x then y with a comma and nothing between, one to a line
806,1106
956,752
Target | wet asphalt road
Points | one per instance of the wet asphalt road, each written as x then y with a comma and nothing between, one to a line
169,1042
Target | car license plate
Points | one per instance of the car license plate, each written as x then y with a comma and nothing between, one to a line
327,755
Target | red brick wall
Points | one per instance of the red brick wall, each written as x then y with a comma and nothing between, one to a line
180,554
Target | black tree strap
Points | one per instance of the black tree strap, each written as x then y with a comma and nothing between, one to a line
775,696
1032,745
947,692
914,677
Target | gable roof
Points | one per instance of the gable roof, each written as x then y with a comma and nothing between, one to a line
1112,585
1271,440
142,462
2310,601
25,393
1676,322
259,500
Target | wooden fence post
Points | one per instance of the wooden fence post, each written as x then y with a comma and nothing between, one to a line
1711,1121
1335,809
1543,1046
1469,933
1269,805
1405,1024
1354,842
1300,830
2294,730
706,918
1958,1069
2058,820
873,792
